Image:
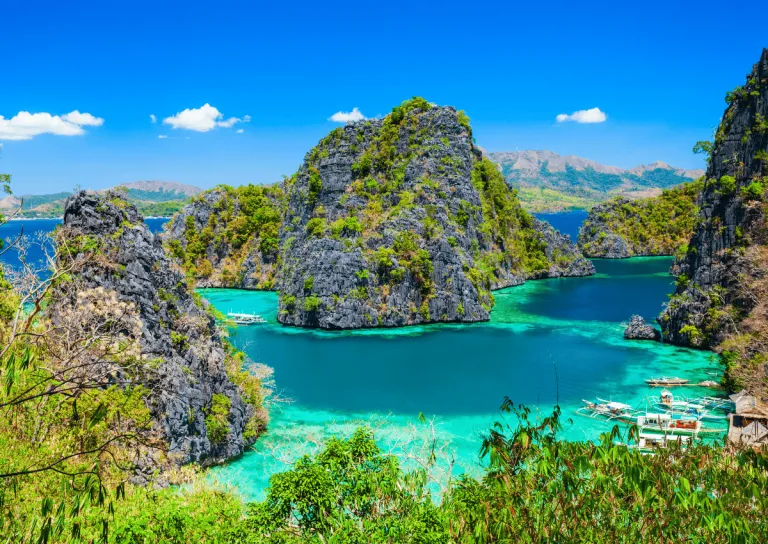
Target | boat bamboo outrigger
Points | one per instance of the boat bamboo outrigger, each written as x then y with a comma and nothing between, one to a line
666,424
677,406
245,319
606,409
651,443
716,403
666,381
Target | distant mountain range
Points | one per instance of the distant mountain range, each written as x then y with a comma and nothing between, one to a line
153,198
551,182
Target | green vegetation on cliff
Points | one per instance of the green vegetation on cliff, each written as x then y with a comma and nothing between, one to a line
661,225
222,228
721,301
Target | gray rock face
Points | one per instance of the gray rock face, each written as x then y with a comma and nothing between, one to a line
730,220
565,258
596,239
385,226
177,334
638,329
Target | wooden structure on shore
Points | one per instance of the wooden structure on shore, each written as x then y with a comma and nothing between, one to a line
749,423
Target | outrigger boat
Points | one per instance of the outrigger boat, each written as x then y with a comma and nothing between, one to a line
245,319
666,424
716,403
666,382
606,409
651,443
670,404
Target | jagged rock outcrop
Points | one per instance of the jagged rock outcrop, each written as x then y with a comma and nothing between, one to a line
638,329
660,225
228,237
722,294
193,372
564,257
400,220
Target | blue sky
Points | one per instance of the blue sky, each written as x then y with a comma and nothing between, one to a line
659,72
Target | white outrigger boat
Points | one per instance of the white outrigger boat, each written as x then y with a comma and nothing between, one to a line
677,406
606,409
245,319
666,424
665,381
651,443
716,403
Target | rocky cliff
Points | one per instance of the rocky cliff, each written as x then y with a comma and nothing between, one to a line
660,225
228,237
204,406
721,295
400,220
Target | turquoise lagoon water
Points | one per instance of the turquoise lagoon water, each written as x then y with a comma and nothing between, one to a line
547,340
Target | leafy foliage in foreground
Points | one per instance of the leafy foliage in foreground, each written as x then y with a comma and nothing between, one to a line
537,488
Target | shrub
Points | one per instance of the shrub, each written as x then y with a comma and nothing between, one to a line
289,302
217,420
309,283
315,184
311,303
753,191
316,227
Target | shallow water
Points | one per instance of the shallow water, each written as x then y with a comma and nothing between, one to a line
548,341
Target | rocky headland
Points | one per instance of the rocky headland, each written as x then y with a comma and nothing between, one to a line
388,222
721,300
656,226
203,405
401,220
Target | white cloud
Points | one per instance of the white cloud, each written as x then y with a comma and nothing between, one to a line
347,116
153,118
202,119
83,119
25,125
593,115
240,131
162,136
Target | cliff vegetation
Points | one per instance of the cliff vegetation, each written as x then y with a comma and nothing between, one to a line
661,225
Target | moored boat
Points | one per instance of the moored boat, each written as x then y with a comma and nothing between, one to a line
245,319
667,424
666,381
651,443
716,403
605,409
667,402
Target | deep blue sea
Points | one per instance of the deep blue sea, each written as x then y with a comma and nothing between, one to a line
567,222
37,229
549,341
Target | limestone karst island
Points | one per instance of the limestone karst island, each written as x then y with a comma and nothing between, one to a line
406,273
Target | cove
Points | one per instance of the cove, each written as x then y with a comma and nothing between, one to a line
548,341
